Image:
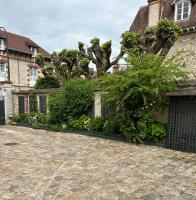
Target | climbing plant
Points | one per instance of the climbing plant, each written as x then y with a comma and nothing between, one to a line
33,103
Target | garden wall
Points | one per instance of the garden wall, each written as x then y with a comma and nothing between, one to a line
21,102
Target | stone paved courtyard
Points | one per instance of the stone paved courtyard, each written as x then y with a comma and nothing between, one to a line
36,164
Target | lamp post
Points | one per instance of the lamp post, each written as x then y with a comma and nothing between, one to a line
7,51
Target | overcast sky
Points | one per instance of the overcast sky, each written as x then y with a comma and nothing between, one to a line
58,24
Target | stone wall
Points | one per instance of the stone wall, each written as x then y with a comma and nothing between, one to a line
187,42
19,71
96,110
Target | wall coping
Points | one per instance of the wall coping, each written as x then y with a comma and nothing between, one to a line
44,91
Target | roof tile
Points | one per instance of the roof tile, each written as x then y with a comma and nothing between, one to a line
22,44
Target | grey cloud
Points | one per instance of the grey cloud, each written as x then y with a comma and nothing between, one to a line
62,23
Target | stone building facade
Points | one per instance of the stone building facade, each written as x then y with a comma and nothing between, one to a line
183,12
18,70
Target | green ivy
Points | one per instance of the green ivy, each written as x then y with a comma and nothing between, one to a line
33,103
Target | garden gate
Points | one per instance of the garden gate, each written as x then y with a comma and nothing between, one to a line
2,111
182,123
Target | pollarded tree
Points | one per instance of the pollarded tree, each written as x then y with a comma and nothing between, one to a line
64,65
153,40
100,55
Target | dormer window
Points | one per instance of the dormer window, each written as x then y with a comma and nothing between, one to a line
34,51
2,44
182,10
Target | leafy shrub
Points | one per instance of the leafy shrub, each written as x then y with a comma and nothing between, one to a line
32,118
24,118
40,118
111,126
143,129
83,123
55,127
73,101
97,124
157,132
45,83
135,132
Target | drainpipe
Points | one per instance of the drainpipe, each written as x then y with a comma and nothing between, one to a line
18,73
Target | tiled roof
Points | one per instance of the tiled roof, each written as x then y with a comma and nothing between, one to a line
141,20
22,44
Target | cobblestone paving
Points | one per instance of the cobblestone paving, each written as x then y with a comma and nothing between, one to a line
37,165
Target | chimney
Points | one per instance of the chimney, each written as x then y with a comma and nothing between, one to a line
154,12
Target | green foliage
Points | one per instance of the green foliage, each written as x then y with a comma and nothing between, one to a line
144,83
150,31
107,44
168,29
80,44
135,133
39,59
70,56
32,118
83,123
157,132
95,40
157,40
73,101
23,118
141,126
33,102
97,124
139,92
130,39
38,118
84,62
46,83
111,126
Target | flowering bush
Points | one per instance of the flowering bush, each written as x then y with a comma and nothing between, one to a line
83,123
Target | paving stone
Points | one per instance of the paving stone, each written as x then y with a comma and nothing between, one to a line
53,166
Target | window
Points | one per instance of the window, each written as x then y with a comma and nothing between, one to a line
34,51
42,104
32,72
2,67
2,71
32,75
182,10
21,105
2,44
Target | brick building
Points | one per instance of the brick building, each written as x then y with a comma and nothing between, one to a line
183,12
18,70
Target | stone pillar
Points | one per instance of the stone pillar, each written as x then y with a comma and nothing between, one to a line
97,104
15,105
7,93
